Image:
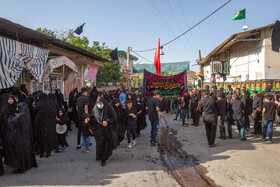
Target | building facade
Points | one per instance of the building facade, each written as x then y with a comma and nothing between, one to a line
244,59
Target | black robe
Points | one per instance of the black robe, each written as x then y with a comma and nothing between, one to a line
141,118
106,138
45,121
19,152
72,105
121,119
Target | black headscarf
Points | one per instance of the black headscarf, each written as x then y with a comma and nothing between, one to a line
107,113
11,108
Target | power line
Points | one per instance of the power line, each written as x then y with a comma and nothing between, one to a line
162,17
164,20
189,28
187,22
142,57
181,28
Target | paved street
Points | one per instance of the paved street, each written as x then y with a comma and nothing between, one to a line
139,166
233,163
230,163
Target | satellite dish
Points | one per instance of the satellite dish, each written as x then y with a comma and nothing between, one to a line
245,27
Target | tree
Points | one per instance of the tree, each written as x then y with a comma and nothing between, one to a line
109,73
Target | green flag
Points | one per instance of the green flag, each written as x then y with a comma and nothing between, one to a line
240,15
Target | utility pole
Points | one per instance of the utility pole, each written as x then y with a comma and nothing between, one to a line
199,54
127,65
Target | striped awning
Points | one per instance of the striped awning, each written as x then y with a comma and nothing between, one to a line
14,56
55,62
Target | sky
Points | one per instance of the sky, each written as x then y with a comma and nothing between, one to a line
140,23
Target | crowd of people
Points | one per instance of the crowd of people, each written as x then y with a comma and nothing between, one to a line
232,107
38,123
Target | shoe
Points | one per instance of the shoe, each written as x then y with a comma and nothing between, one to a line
83,149
90,144
129,145
243,139
48,155
52,152
212,145
153,144
61,149
41,155
269,141
133,143
87,151
230,137
264,140
193,124
196,125
175,119
78,147
186,125
103,163
219,138
65,149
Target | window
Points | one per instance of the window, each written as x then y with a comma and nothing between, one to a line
226,67
216,67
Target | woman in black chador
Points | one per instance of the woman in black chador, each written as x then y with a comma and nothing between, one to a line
59,98
141,118
72,104
45,120
121,119
105,129
19,152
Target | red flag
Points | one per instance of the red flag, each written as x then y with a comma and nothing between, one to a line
157,59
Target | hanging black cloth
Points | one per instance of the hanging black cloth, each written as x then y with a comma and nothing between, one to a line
106,138
20,153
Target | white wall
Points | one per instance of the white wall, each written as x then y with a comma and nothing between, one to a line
246,58
272,61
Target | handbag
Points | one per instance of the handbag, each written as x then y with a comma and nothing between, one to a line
61,129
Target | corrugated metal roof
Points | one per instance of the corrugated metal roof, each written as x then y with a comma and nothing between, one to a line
16,31
231,41
165,67
125,53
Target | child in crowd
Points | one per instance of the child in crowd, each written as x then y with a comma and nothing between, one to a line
61,120
86,132
131,123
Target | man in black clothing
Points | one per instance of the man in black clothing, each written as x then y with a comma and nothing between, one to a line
153,108
237,109
269,113
257,101
82,108
162,110
269,87
222,111
187,101
229,95
194,103
246,102
209,108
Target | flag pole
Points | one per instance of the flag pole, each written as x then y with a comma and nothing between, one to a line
68,36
